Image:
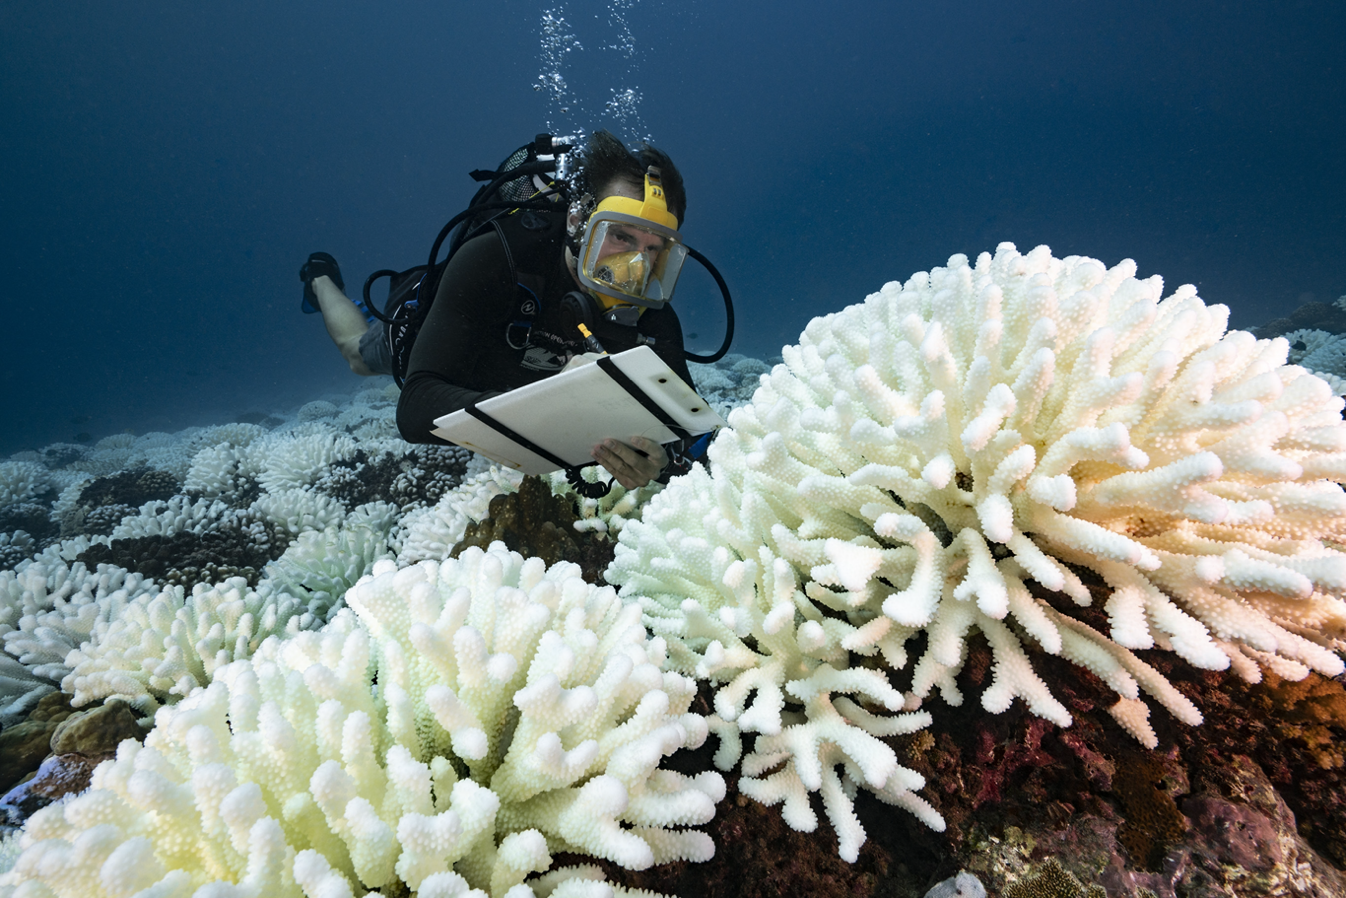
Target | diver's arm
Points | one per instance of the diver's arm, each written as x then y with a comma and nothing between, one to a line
452,338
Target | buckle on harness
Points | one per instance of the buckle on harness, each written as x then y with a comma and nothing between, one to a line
527,327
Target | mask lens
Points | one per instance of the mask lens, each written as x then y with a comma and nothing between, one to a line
627,260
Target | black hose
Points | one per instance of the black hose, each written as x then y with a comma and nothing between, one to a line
728,313
369,303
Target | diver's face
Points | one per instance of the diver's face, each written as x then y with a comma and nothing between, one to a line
623,238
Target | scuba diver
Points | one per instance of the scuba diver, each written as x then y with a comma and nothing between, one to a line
528,290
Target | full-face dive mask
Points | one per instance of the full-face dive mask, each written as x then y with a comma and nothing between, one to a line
631,252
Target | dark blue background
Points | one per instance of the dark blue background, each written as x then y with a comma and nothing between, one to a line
168,166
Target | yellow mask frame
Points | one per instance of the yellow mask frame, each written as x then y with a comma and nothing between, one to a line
617,283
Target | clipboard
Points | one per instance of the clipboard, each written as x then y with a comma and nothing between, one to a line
633,393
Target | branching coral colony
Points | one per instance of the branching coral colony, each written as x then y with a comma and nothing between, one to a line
449,732
918,459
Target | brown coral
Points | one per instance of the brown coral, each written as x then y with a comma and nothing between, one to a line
1052,881
533,521
1146,784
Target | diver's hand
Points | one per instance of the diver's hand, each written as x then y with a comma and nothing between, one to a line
634,464
584,358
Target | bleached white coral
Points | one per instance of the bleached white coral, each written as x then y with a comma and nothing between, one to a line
20,690
47,609
478,717
1336,382
159,646
163,646
317,410
172,516
222,471
66,509
233,434
20,481
371,416
321,565
294,461
164,452
1304,341
9,851
15,546
431,533
922,458
730,382
1329,356
1321,352
297,510
610,512
107,456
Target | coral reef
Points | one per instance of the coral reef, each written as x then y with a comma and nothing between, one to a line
1321,316
922,459
240,549
868,545
160,646
431,533
519,712
152,589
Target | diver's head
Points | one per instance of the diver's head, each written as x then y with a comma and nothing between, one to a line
624,234
605,167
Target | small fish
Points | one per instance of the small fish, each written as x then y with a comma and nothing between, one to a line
83,437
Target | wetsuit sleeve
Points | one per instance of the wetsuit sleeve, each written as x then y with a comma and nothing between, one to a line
470,308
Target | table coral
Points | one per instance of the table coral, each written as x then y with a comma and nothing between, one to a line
449,732
919,459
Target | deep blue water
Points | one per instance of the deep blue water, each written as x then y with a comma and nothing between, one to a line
167,167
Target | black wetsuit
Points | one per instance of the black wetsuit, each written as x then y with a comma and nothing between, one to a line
462,354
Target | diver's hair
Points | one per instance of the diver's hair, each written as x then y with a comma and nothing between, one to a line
605,159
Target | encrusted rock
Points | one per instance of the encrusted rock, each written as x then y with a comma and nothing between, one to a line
24,745
96,731
57,777
54,708
533,521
